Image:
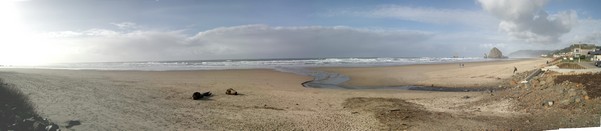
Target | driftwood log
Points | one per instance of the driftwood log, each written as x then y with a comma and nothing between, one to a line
208,93
197,96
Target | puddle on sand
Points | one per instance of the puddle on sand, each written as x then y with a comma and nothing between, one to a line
322,79
312,84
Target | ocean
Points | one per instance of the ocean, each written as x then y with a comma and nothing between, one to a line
277,64
299,66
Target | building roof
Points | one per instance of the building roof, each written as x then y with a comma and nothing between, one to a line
595,52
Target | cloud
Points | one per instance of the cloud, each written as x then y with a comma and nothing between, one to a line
491,45
528,21
126,25
86,33
588,31
422,14
309,41
237,42
249,42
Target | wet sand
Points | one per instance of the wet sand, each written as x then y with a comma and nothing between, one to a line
270,100
473,74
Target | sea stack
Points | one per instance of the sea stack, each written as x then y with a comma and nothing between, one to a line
495,53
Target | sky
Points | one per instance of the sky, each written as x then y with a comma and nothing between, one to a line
58,31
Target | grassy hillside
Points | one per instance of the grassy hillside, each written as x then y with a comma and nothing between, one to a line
528,53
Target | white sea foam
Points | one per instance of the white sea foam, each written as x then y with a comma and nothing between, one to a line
254,63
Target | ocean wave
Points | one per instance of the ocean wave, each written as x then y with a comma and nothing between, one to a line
256,63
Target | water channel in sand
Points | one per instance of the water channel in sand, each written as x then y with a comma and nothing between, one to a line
322,79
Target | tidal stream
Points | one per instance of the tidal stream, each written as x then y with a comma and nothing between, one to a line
322,79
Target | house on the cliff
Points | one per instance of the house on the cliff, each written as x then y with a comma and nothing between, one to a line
595,55
582,51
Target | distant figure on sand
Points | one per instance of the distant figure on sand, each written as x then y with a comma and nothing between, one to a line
515,69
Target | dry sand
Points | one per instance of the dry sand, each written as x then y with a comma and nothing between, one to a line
270,100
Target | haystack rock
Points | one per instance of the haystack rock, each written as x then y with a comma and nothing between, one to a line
495,53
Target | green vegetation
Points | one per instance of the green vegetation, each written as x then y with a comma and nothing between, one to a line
581,59
529,53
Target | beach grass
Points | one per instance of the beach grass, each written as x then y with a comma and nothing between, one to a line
14,107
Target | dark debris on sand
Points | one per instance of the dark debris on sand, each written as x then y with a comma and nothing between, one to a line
198,95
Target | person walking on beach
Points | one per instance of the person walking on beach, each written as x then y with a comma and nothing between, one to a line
515,69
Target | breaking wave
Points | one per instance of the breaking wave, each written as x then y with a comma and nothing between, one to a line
254,63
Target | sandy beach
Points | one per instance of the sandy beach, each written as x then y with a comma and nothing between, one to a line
399,65
473,74
271,100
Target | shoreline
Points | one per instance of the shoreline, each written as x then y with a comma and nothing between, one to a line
183,68
473,75
337,74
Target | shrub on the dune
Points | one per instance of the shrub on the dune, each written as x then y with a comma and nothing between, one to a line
17,112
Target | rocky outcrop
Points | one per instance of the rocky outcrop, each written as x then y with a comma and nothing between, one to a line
495,53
